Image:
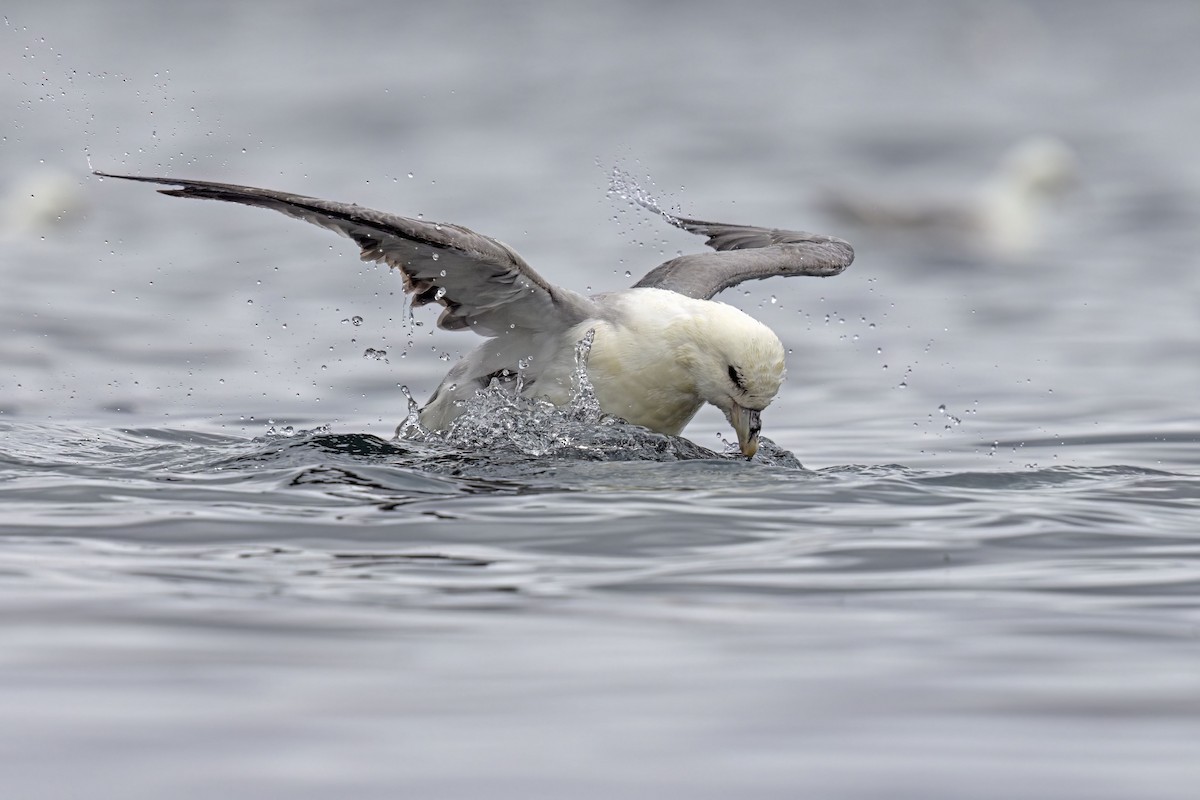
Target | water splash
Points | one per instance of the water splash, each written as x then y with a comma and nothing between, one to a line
623,185
500,425
410,427
288,432
584,407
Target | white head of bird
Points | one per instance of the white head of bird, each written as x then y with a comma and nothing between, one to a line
738,365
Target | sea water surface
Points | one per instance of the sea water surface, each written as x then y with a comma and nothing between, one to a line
966,565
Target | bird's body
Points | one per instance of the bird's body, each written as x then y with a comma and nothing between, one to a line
659,351
655,387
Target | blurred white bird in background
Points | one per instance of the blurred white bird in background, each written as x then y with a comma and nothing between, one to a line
1004,216
41,200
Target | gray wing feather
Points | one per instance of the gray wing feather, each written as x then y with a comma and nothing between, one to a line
482,283
746,253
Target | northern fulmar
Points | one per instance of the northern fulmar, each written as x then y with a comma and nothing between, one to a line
1005,215
659,351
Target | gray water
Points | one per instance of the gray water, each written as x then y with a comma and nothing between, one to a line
220,575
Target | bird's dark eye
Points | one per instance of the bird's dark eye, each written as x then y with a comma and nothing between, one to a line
736,377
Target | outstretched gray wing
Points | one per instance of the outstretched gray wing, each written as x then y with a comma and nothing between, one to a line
483,284
746,253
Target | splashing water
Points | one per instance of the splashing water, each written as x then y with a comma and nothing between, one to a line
410,427
584,407
499,422
502,417
288,432
622,184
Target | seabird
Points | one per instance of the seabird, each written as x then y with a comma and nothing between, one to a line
41,201
1002,215
659,351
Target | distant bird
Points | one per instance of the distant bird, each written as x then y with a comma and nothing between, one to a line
661,349
39,201
1004,215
